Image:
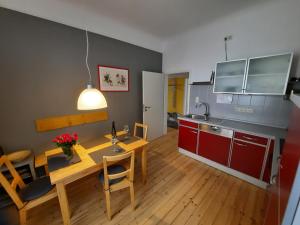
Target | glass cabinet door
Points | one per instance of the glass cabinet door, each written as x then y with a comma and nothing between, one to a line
229,76
268,75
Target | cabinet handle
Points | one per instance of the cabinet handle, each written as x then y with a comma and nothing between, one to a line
279,162
278,159
195,132
274,179
280,166
249,138
243,145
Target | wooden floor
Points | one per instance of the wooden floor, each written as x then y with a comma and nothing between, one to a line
179,191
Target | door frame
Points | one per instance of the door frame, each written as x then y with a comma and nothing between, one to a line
186,95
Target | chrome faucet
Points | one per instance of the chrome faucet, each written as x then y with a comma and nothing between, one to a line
206,114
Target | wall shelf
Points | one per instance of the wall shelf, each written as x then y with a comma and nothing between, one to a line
201,83
231,76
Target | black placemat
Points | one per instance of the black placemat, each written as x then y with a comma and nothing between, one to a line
94,142
128,139
60,161
97,156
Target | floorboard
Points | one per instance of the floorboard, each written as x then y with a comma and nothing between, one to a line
179,191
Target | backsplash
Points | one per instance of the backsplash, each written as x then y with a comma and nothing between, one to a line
266,110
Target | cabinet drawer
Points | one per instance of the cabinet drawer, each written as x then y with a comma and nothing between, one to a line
247,158
188,124
251,138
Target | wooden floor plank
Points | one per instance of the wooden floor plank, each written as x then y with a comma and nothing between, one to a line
185,189
179,190
180,207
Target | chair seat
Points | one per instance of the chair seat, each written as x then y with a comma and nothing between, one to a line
113,169
36,189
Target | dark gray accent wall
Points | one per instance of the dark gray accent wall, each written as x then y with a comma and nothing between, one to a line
267,110
42,72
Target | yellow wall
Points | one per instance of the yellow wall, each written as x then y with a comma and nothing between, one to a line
171,88
176,90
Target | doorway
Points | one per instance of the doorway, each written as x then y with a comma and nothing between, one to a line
176,99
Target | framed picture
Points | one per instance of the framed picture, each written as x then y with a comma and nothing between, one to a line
113,78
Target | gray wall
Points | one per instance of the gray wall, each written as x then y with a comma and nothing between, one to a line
42,73
267,110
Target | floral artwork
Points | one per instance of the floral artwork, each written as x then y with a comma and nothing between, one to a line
113,79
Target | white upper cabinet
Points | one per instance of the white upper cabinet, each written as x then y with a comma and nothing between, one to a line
230,76
267,75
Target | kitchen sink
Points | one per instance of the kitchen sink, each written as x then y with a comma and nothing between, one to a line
194,116
201,117
214,120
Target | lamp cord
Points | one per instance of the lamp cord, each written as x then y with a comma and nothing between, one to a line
87,55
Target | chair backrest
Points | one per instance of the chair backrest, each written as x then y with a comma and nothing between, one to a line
11,187
145,130
129,173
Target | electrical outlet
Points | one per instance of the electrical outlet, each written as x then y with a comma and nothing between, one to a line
250,110
244,109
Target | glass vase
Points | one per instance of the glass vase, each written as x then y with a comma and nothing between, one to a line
68,151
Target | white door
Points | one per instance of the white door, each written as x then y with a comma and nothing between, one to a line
153,103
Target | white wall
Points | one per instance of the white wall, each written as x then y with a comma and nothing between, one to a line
263,29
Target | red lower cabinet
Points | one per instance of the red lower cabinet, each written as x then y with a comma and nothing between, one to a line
188,139
214,147
272,217
247,158
290,159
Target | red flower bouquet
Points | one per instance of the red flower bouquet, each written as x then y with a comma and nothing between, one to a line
66,141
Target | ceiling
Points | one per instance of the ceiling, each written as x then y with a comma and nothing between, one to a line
147,23
163,18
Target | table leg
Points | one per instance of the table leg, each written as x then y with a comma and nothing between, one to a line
63,201
144,165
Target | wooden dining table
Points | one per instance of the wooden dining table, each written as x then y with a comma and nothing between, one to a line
61,177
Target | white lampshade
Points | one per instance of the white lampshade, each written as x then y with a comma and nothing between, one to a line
91,98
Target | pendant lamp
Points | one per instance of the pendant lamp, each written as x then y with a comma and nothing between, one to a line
90,98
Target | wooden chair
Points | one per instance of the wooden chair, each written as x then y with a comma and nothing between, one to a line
117,177
145,130
25,196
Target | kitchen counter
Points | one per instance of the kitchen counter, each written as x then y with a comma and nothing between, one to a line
255,129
